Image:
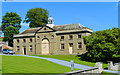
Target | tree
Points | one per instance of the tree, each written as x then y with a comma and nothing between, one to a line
8,34
11,19
103,46
36,17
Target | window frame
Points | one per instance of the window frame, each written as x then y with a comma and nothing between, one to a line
80,36
18,48
31,40
78,45
62,46
24,40
18,40
70,37
31,48
70,44
62,38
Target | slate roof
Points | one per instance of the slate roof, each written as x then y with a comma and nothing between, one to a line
58,28
30,30
68,27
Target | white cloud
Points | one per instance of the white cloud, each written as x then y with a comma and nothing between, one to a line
24,24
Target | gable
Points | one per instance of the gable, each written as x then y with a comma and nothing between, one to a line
45,29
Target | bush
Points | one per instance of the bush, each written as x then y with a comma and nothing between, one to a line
102,46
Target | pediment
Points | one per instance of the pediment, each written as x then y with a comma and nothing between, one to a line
45,29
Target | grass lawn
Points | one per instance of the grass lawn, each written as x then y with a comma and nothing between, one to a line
71,57
21,64
106,73
1,39
0,64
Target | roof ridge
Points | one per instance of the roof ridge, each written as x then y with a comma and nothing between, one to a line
67,24
33,28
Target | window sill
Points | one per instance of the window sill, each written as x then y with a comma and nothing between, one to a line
79,38
61,40
70,39
79,48
61,50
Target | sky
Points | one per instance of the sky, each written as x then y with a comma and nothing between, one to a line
94,15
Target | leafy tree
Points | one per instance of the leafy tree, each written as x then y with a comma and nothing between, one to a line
8,34
11,19
103,46
36,17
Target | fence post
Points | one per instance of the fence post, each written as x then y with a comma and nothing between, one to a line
72,65
110,64
99,66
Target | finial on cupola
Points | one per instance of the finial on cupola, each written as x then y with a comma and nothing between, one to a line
50,22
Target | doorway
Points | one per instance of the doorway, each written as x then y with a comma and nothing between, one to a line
45,47
24,48
70,48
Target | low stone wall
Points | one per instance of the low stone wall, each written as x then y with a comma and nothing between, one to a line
92,71
115,66
97,70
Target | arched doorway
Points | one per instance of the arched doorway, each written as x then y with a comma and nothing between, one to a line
45,47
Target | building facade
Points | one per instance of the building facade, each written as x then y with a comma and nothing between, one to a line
51,39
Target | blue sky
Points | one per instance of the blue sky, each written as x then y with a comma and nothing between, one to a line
94,15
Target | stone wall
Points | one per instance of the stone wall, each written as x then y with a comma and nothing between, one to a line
91,71
115,66
97,70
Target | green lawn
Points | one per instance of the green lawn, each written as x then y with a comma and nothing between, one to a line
71,57
0,64
1,39
106,73
20,64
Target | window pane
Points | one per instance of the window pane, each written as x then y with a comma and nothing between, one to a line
30,40
62,46
79,45
17,41
30,48
24,40
17,48
71,37
62,37
71,44
79,36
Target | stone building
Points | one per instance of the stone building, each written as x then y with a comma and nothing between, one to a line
51,39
